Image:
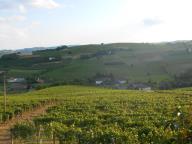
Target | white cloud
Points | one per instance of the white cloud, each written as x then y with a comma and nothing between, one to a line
49,4
8,25
12,19
11,35
130,21
152,21
22,8
14,32
2,36
23,5
6,4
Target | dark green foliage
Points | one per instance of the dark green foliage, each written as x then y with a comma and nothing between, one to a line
7,115
23,131
9,57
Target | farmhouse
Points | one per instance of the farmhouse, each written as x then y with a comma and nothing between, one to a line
16,80
98,82
147,89
51,58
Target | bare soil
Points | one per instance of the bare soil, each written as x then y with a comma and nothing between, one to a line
5,137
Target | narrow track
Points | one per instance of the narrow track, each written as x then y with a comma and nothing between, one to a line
5,137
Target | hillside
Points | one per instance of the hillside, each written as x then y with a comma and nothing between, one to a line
132,62
3,52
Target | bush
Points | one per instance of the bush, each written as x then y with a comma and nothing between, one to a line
23,130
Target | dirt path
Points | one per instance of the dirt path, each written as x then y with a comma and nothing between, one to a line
4,128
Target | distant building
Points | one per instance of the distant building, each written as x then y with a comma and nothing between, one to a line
16,80
147,89
122,81
99,82
40,81
51,58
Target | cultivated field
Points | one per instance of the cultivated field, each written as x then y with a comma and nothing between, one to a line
97,115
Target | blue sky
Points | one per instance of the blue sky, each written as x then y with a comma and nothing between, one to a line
33,23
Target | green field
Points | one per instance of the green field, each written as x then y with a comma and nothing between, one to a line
98,115
135,62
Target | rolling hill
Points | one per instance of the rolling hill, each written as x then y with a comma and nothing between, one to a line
133,62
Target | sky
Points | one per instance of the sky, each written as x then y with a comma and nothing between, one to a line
36,23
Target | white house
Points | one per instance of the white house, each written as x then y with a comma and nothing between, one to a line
51,58
147,89
16,80
122,81
98,82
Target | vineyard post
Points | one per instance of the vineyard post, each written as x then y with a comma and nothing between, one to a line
12,141
53,134
5,90
39,141
5,94
54,139
1,118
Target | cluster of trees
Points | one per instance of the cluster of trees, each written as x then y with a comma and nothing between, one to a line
180,81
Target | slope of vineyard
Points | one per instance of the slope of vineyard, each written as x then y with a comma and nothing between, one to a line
5,135
97,115
17,104
135,62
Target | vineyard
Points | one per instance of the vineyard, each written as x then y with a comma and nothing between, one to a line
17,104
89,115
